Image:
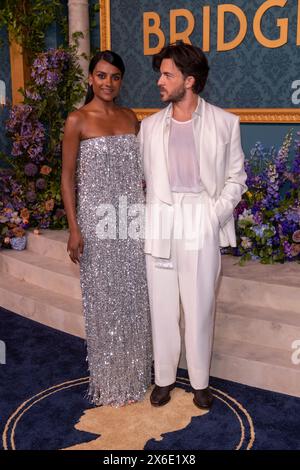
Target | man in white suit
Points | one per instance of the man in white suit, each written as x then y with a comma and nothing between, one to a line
194,171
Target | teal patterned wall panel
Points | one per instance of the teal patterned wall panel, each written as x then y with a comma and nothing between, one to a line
95,28
54,36
249,76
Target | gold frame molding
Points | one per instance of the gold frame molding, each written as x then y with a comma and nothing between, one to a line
247,115
105,22
20,73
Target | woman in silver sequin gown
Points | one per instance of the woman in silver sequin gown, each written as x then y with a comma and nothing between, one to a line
101,157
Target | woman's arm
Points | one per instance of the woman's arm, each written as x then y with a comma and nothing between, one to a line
70,148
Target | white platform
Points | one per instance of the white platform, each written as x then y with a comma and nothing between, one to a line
257,319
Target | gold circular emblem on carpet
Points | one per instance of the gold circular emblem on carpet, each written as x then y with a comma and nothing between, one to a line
140,421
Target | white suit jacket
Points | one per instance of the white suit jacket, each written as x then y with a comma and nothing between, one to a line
221,162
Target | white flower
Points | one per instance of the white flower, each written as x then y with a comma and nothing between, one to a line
246,216
246,242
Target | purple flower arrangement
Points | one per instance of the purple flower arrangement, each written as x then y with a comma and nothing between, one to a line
49,67
27,133
30,191
268,217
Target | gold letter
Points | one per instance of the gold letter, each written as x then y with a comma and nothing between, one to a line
206,29
222,9
281,23
184,35
153,29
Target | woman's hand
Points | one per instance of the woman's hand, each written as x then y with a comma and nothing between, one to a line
75,246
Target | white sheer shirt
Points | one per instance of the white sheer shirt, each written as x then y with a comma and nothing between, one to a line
183,164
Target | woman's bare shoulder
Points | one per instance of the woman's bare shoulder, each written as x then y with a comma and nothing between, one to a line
77,116
76,120
130,113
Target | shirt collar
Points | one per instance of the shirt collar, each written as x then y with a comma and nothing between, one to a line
197,112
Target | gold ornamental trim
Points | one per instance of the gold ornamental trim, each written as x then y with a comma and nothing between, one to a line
247,115
268,115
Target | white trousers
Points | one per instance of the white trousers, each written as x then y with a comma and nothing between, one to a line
190,275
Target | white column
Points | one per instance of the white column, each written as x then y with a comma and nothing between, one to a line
79,21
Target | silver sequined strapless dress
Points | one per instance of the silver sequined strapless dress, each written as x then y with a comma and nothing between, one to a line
112,270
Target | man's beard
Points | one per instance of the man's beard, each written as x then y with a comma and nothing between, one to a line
177,95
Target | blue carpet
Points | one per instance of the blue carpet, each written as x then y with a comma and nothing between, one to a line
42,397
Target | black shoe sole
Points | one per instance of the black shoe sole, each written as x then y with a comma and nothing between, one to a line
161,403
207,408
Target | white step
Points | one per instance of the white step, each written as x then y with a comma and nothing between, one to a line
271,286
50,243
44,306
258,366
258,325
286,274
57,276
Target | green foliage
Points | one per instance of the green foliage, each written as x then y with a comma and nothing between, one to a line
27,22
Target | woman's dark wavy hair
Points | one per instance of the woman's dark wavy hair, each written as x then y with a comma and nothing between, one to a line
190,60
112,58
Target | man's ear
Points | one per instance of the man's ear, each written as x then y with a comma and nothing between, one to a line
189,81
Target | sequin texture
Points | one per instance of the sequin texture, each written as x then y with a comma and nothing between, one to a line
112,272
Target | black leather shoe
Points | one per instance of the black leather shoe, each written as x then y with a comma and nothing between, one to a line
203,398
161,395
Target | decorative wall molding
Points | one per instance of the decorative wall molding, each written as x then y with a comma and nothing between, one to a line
105,25
19,71
270,115
250,115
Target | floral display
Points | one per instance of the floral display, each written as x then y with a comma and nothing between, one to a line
30,189
268,217
14,217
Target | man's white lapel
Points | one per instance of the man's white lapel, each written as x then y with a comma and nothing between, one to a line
206,146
